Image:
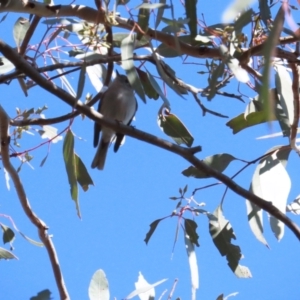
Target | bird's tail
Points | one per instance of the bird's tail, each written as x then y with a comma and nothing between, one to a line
100,156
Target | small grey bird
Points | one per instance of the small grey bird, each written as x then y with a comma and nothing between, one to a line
118,103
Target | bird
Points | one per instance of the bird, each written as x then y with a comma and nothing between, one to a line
118,103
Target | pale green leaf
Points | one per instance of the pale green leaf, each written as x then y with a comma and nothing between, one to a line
127,47
98,288
20,28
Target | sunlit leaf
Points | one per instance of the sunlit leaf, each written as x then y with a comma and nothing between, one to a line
141,284
190,249
5,254
98,288
144,289
127,47
20,28
51,133
283,83
235,8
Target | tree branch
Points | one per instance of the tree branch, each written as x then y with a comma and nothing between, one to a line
40,225
21,63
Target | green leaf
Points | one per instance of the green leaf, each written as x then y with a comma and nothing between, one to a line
158,89
70,164
8,234
20,28
268,52
190,229
222,234
149,6
143,19
81,82
127,47
153,226
265,12
160,13
82,175
118,37
219,162
172,126
98,288
43,295
191,14
5,254
213,81
148,88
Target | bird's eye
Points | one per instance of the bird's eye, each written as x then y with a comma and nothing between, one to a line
126,80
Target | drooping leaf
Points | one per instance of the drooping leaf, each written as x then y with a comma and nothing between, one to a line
190,227
8,234
153,226
160,13
255,213
20,28
70,164
219,162
98,288
143,19
127,47
82,175
268,52
283,83
265,12
172,126
213,80
222,236
148,88
158,89
190,249
275,186
118,37
95,73
191,14
81,82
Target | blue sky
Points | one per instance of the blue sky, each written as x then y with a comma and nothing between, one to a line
132,192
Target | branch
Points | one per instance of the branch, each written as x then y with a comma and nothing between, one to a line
294,126
41,226
186,153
